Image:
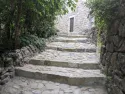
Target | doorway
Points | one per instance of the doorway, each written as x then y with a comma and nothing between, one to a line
72,24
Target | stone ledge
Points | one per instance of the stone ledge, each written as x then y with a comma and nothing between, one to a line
72,47
73,57
73,36
70,76
68,59
57,63
64,39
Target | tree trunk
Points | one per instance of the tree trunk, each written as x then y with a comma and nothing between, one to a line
9,20
17,26
8,35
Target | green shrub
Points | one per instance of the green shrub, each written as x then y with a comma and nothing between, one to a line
32,40
34,17
104,11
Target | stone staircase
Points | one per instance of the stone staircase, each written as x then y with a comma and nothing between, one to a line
70,59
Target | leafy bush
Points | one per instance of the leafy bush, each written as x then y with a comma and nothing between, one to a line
104,11
27,40
34,17
44,29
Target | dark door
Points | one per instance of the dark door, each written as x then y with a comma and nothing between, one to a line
71,24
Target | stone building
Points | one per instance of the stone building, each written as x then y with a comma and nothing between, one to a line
76,21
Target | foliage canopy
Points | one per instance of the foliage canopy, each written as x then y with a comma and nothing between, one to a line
29,17
104,11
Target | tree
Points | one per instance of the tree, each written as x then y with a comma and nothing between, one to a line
29,17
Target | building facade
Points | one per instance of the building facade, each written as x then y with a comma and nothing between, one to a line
77,21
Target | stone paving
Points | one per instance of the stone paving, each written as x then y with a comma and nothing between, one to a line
67,56
70,72
68,59
71,76
20,85
78,47
66,39
72,35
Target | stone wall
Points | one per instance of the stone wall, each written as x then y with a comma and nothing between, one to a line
81,22
9,60
7,70
113,54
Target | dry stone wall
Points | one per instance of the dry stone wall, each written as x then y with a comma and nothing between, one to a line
9,60
113,54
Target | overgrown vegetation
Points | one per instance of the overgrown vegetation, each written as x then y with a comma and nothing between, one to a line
29,20
32,40
105,12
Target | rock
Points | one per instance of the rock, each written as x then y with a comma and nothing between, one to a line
116,40
108,56
104,60
14,55
4,76
110,47
36,91
121,10
123,69
4,71
123,84
61,92
77,91
114,60
12,74
121,58
20,56
0,88
8,62
117,81
116,90
51,86
11,69
118,73
15,58
30,51
46,92
40,85
4,81
32,48
115,26
122,29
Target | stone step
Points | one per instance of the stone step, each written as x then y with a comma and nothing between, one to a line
66,59
72,35
72,47
66,39
22,85
71,76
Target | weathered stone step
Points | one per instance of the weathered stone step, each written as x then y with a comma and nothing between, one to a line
66,39
66,59
72,47
22,85
72,35
71,76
